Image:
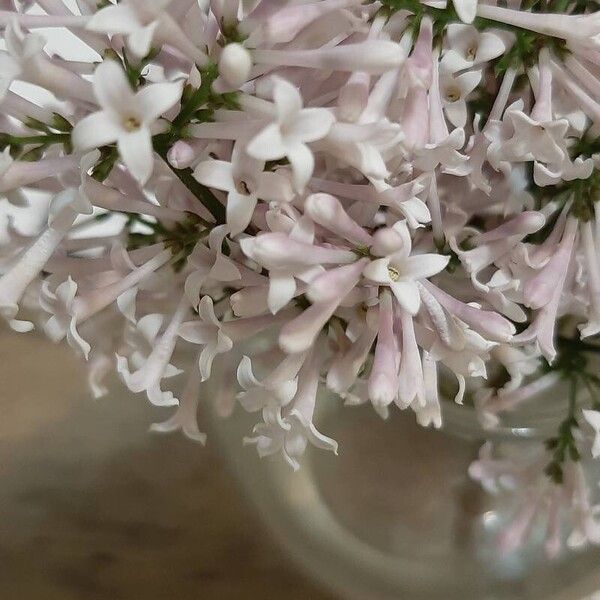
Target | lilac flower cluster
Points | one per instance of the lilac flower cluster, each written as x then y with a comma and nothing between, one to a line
393,192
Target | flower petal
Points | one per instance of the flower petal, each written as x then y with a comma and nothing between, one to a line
310,125
407,294
136,150
466,10
377,270
240,208
112,88
267,144
156,99
422,266
95,130
303,164
287,99
216,174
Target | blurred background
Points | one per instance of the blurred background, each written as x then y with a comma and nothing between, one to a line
94,506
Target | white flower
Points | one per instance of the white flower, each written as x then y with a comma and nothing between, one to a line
276,390
21,51
60,303
290,432
210,266
245,182
184,417
455,90
150,370
126,117
467,46
289,135
289,257
63,210
398,269
206,331
535,140
142,22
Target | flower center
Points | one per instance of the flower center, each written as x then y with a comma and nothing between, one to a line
452,94
393,273
243,187
471,52
131,123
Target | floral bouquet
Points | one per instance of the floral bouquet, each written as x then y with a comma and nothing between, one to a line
392,192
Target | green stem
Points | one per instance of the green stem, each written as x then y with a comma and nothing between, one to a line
572,397
197,99
50,138
204,195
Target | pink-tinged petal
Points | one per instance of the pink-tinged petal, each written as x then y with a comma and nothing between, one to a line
250,302
267,144
207,356
217,174
282,288
422,266
197,332
206,359
539,290
225,269
299,334
273,187
326,286
112,88
310,125
136,150
345,367
156,99
489,324
415,211
303,164
206,311
240,208
387,241
411,385
327,211
407,294
383,381
526,223
245,374
287,99
278,250
114,19
95,130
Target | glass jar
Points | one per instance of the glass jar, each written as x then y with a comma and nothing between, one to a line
396,516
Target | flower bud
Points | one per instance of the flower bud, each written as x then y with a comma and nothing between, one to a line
235,64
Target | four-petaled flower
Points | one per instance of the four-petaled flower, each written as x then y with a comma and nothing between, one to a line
294,128
126,117
398,269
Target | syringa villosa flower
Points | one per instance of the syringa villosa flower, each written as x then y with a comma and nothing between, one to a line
395,203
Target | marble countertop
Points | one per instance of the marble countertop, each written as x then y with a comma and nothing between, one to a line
92,506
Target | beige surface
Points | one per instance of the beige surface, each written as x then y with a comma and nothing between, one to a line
94,507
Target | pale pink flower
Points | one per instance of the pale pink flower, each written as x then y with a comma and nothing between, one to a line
294,128
125,117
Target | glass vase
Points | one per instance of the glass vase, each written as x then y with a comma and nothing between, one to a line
396,516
